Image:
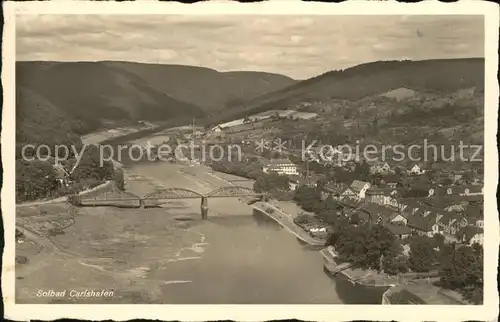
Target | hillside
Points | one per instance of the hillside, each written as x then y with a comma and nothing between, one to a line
207,88
124,90
353,84
90,92
40,122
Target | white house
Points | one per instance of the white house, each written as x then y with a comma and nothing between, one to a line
416,169
471,190
359,188
399,219
383,197
281,166
477,239
379,167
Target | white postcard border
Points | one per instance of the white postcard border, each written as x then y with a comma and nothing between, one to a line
487,311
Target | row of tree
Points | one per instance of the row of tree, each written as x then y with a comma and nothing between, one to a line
38,179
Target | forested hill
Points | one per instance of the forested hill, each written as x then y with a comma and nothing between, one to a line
89,92
443,76
113,90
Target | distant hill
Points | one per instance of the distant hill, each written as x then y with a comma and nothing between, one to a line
123,90
89,92
207,88
443,76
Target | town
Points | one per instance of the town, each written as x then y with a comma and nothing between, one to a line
429,209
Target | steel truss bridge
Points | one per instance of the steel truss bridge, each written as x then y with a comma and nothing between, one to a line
151,200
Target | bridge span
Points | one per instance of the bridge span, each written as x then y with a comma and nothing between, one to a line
151,200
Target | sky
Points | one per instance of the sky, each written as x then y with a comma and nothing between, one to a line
297,46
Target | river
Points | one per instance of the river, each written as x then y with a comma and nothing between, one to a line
244,257
170,256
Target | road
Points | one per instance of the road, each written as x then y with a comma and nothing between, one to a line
286,221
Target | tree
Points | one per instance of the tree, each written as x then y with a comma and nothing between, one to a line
438,240
367,247
119,179
446,182
330,211
92,166
34,180
467,177
463,271
362,169
271,181
422,254
309,198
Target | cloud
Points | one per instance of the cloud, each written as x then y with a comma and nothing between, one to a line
297,46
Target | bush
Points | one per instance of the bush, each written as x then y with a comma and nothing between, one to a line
56,231
21,259
119,179
34,180
74,199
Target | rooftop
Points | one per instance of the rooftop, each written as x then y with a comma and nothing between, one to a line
280,162
358,184
398,229
420,222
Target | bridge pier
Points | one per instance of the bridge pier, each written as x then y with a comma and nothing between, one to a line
204,208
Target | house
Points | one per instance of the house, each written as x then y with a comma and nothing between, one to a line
470,190
298,182
410,205
455,177
474,213
381,196
392,185
352,202
417,170
450,223
379,167
423,225
281,166
442,191
400,219
359,188
326,154
61,175
333,189
478,238
400,231
379,213
349,193
471,235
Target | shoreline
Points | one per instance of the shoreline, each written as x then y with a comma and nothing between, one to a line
324,251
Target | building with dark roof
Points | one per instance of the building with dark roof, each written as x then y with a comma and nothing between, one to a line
400,231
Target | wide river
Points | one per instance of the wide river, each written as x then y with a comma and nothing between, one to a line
244,258
169,255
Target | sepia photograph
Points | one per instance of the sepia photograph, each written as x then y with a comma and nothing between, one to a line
237,156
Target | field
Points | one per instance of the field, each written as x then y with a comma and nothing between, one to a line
128,250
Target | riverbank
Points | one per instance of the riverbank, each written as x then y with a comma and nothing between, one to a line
355,275
97,189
